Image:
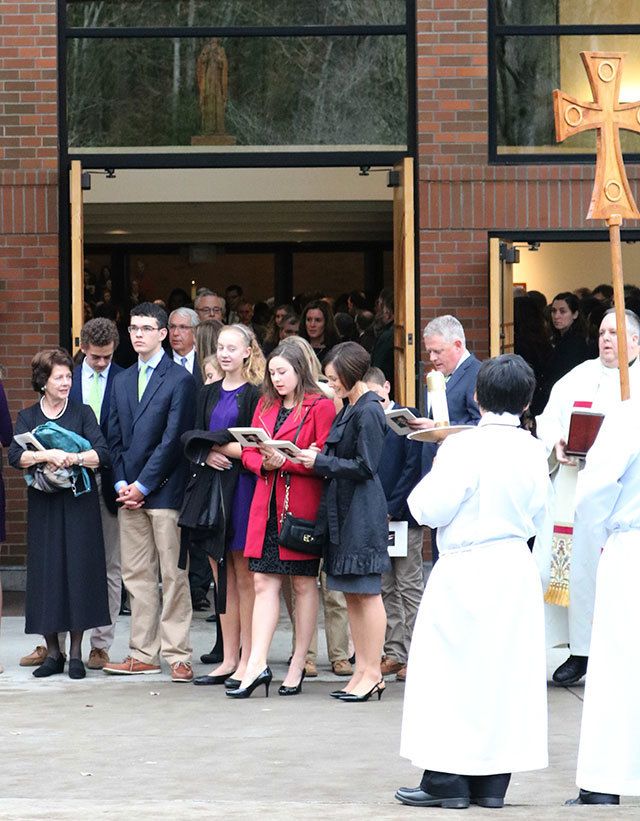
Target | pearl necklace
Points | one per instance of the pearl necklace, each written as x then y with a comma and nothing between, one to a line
59,414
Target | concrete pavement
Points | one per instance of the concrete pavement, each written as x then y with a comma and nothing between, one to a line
147,748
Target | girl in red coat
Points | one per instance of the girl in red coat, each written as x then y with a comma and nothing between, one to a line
293,408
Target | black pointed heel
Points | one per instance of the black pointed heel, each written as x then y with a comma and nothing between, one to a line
338,693
244,692
232,683
352,697
292,691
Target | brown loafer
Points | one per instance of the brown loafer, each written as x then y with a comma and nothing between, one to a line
130,667
35,658
342,667
401,675
97,658
310,669
181,671
389,666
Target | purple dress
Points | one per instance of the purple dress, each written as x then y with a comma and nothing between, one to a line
225,415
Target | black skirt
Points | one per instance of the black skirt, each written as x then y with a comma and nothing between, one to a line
270,561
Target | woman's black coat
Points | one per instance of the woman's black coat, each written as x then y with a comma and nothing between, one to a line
205,483
353,512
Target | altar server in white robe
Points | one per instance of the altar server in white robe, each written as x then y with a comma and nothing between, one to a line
592,386
475,705
608,499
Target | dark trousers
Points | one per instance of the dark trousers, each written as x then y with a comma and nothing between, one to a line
200,575
449,785
435,553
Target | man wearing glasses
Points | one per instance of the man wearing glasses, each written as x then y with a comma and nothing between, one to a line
208,305
182,339
152,405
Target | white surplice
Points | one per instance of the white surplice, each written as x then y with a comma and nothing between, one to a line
608,500
476,692
596,388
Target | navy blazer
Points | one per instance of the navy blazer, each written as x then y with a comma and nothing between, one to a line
197,371
144,437
463,408
400,471
108,492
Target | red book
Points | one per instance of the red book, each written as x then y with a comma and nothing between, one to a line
583,430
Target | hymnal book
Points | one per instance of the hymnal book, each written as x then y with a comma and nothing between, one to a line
250,437
28,441
398,420
583,429
285,447
398,539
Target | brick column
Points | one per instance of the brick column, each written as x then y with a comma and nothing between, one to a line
29,282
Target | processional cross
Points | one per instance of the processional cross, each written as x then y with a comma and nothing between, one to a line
611,199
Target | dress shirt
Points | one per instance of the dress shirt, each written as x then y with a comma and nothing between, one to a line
88,375
190,357
151,365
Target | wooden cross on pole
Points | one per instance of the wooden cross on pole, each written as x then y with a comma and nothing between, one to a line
611,199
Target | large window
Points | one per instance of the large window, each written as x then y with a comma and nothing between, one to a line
535,48
237,76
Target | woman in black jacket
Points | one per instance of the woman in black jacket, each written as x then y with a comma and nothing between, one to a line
570,346
353,513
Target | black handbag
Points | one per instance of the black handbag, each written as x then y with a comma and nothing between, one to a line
295,533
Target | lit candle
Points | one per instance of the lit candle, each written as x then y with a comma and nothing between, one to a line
437,388
193,289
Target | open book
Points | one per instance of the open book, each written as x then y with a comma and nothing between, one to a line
398,420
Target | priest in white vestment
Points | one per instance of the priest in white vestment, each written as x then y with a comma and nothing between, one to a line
608,500
591,386
475,705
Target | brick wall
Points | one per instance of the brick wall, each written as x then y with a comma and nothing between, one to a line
29,283
462,198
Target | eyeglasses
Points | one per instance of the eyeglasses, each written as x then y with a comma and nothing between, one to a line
144,329
215,310
180,328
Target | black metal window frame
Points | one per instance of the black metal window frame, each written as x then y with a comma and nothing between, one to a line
249,159
258,159
496,31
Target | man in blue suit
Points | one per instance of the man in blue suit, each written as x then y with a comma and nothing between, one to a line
152,405
445,344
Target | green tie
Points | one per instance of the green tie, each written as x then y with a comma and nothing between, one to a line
95,395
142,380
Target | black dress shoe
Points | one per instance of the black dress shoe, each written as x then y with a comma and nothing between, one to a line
573,669
588,797
214,657
77,668
488,801
232,683
416,797
204,680
50,667
200,604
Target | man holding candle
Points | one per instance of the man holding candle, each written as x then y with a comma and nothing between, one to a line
445,344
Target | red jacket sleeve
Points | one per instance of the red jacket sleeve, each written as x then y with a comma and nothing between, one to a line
322,416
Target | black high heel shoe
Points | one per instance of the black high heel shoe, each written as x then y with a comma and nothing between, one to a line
292,691
244,692
375,689
338,693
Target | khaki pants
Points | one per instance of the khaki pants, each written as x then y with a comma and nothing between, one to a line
102,637
402,589
150,544
336,624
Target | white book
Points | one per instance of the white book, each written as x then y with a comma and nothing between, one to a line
28,441
250,437
398,539
398,420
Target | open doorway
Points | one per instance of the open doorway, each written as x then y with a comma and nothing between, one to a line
279,233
